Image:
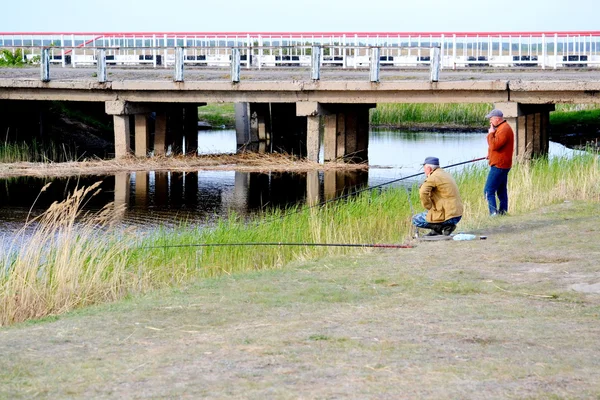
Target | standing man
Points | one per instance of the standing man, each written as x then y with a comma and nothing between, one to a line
501,142
439,195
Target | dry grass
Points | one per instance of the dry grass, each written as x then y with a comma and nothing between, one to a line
224,162
60,265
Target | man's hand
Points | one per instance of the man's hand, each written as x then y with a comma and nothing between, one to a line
492,128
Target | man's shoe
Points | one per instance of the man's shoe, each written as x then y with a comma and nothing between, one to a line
448,229
433,233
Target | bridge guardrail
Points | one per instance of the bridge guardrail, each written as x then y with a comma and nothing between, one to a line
234,58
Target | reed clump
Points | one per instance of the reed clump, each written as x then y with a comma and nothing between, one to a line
60,261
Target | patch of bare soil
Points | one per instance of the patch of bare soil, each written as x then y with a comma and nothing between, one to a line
506,317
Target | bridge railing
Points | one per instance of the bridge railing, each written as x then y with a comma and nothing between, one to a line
400,49
314,57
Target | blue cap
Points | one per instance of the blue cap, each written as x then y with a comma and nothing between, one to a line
432,161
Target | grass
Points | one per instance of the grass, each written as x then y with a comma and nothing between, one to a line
443,320
217,114
469,115
36,152
37,283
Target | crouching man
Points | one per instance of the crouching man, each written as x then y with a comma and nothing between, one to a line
439,195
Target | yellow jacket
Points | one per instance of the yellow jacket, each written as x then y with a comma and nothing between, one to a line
439,195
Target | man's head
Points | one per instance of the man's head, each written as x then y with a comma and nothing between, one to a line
495,116
430,164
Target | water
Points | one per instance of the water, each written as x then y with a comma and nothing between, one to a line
169,198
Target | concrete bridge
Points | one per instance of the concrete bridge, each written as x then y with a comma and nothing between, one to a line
288,106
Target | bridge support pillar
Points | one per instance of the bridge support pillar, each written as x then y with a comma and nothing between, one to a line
530,123
122,135
175,129
190,129
346,132
242,123
142,135
160,133
260,122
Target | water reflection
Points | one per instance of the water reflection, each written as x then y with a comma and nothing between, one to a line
168,198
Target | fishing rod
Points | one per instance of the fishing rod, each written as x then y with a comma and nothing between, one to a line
380,185
363,245
376,245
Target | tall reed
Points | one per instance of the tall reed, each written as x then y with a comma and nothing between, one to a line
61,261
434,114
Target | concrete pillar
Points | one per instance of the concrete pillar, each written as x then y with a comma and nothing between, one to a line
190,129
530,123
122,133
175,129
340,135
330,137
312,138
346,132
312,188
260,122
242,123
142,135
160,134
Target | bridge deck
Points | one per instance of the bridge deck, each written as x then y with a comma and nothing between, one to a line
303,74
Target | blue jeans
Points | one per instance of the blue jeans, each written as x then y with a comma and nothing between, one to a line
419,220
496,184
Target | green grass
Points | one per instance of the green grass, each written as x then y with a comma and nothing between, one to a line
435,114
36,152
574,117
217,114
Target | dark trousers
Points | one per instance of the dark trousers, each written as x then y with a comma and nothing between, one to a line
496,185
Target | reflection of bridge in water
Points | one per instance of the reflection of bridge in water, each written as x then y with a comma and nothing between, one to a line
167,197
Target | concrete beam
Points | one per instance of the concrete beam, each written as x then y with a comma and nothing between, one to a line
121,107
309,108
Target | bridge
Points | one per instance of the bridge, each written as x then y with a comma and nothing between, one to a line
286,86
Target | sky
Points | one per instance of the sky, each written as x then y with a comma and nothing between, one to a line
299,16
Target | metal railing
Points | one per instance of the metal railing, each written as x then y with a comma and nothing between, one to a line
401,49
315,57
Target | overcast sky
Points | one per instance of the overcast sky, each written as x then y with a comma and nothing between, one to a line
299,16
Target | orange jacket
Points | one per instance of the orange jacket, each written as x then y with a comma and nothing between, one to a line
500,146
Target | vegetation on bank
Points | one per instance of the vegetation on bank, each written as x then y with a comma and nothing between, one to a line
468,115
35,151
61,265
218,114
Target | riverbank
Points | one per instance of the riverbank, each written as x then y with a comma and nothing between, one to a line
513,316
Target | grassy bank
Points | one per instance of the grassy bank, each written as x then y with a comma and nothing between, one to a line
46,272
511,317
218,114
36,152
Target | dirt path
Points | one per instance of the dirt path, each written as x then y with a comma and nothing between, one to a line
513,316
